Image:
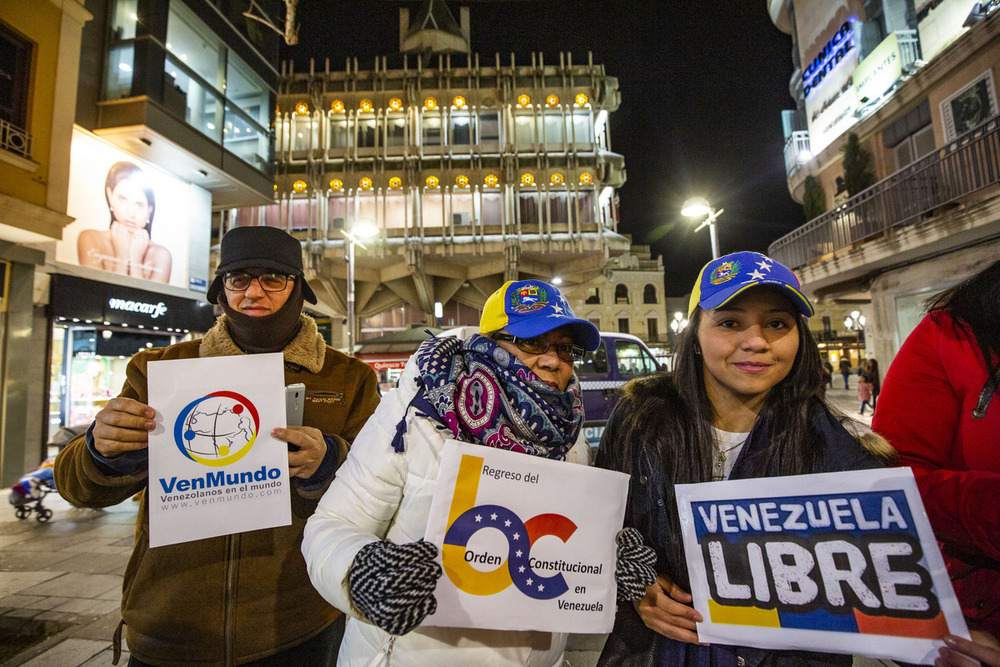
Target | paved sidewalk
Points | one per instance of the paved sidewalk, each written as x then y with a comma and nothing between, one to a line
61,581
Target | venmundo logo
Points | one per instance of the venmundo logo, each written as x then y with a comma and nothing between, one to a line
154,310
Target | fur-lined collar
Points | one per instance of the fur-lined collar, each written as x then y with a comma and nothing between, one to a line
307,349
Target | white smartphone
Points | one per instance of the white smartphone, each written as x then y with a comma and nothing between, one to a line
295,400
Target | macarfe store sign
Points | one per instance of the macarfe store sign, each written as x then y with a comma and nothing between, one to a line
89,301
154,310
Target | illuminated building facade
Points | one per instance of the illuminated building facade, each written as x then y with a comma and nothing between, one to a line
474,171
915,81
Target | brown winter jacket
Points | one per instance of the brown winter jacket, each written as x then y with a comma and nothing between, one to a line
232,599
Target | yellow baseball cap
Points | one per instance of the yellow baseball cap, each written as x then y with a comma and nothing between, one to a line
527,308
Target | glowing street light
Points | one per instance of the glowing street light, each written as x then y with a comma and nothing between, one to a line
361,229
856,322
697,207
679,323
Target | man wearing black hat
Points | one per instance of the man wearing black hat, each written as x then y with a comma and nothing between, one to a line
243,598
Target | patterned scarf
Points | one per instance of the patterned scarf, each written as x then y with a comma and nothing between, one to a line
483,394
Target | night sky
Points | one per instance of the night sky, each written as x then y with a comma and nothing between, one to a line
702,84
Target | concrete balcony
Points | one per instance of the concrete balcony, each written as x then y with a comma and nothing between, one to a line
947,200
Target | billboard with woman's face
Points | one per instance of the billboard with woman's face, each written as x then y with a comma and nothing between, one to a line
132,218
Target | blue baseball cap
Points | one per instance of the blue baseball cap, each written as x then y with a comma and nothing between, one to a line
527,308
722,279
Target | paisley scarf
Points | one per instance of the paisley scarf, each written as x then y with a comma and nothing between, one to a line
483,394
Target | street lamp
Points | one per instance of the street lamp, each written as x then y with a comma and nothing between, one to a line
679,323
855,322
361,229
697,207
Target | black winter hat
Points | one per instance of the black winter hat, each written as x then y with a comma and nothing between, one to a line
259,248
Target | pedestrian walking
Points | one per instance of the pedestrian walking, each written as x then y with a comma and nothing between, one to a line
243,598
828,374
845,370
875,377
864,393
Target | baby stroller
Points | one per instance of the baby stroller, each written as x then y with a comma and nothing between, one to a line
26,496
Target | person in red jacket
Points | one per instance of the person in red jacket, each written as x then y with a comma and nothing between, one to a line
939,408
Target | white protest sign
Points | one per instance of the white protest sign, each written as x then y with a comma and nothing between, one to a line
526,543
835,562
214,468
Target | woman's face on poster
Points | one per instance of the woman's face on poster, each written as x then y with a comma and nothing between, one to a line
129,205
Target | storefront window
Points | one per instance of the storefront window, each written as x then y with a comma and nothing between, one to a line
582,130
524,130
462,128
119,74
202,107
431,131
88,370
395,131
554,127
338,133
196,46
124,18
489,127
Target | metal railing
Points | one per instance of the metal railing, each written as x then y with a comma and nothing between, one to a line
961,168
15,140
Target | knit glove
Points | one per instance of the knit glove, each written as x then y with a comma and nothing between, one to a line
393,584
636,566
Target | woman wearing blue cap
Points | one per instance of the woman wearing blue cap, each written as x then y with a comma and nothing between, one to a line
742,402
511,387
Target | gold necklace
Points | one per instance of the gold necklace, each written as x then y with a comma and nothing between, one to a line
722,453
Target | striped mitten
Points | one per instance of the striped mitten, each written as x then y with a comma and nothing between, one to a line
393,584
636,566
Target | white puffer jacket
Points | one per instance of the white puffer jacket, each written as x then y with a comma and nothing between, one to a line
379,494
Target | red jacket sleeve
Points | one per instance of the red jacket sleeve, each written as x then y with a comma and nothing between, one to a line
925,411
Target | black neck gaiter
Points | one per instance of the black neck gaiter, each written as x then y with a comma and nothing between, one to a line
271,333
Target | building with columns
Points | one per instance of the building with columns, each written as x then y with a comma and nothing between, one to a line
474,170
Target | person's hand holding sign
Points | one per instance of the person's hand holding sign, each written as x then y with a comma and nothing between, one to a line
667,609
123,425
964,653
306,451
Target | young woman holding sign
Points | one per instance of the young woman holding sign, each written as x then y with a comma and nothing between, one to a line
511,387
742,402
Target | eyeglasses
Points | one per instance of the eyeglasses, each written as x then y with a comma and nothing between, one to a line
237,281
538,345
